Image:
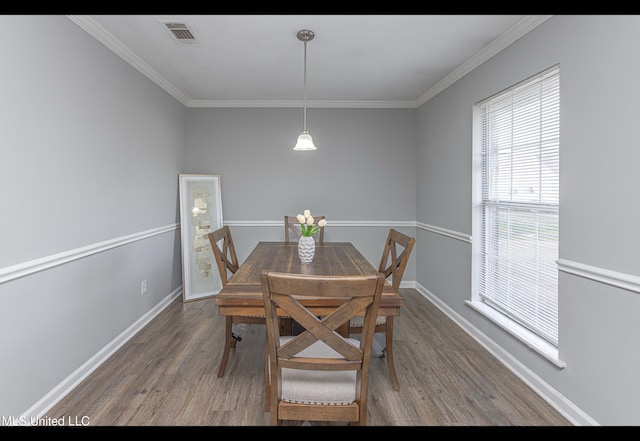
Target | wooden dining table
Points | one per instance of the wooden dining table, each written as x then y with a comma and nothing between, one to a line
242,295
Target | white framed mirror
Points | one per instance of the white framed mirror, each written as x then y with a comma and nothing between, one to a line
200,214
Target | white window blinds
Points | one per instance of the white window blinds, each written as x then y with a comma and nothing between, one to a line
520,135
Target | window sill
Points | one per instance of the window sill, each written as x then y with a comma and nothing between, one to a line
537,344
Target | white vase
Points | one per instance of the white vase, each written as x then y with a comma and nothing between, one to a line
306,248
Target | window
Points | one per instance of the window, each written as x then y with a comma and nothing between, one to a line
516,215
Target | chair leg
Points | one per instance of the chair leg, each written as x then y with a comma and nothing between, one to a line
229,342
269,405
267,383
389,353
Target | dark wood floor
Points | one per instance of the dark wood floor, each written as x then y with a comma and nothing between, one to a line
167,376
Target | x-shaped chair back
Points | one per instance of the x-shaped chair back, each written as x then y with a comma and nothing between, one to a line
395,256
360,294
227,262
225,253
327,354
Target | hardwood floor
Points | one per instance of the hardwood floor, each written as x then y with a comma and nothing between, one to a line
167,376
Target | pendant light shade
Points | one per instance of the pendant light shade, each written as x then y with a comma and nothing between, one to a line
305,142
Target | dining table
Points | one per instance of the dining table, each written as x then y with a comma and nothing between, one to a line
242,295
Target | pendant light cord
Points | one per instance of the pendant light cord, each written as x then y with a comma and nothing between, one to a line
304,113
304,141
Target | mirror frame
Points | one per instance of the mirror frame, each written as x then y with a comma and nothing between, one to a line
200,214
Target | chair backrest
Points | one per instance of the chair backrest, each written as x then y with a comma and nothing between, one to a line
396,253
325,349
225,253
292,225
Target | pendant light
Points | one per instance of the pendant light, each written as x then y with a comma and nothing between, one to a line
304,140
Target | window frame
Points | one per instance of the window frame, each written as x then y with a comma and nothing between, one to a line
543,346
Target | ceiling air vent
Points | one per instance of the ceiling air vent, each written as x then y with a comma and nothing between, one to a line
180,31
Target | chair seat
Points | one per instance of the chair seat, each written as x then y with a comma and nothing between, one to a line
359,321
309,387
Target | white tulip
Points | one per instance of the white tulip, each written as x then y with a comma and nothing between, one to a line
322,222
310,220
301,219
307,214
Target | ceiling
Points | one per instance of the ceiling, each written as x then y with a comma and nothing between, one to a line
353,60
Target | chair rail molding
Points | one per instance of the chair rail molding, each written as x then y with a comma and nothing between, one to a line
610,277
338,223
444,232
32,266
361,223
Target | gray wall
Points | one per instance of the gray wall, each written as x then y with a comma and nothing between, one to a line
599,282
88,182
362,177
91,150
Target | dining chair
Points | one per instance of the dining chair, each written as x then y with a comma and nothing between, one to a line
319,374
292,225
395,256
227,262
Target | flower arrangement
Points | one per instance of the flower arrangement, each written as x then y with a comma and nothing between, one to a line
308,225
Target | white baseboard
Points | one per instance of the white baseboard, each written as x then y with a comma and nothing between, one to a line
569,410
72,381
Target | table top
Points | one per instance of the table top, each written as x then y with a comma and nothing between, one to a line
244,291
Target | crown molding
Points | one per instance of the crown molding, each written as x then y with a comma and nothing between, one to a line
104,37
98,32
298,104
523,27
